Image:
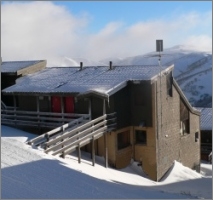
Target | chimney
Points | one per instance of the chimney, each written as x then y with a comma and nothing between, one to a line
81,66
110,65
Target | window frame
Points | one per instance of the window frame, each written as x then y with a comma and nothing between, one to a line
123,140
137,142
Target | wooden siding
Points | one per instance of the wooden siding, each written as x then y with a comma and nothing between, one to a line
143,112
146,154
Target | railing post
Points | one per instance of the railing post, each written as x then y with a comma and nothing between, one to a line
79,154
62,108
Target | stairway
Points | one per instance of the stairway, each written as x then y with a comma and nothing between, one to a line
65,139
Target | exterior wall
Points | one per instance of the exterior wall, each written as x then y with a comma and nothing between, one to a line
27,103
44,104
190,147
123,156
170,144
141,108
146,154
7,81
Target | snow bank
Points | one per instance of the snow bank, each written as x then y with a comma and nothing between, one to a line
29,173
178,172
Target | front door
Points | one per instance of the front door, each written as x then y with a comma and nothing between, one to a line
56,104
69,105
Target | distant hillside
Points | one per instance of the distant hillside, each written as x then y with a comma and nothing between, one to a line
193,71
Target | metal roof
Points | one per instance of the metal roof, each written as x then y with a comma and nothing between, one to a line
14,66
205,118
98,79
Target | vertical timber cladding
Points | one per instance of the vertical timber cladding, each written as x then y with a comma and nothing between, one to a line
122,106
141,104
27,103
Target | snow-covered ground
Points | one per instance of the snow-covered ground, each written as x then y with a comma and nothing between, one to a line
29,173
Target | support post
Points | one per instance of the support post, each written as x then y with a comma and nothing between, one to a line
79,154
62,108
90,109
105,137
38,109
106,151
93,151
14,102
104,107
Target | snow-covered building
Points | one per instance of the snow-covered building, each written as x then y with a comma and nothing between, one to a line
155,122
12,70
206,131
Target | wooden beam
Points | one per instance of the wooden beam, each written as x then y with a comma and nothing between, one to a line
79,154
93,151
90,109
106,150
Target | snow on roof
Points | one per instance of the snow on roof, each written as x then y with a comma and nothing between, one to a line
14,66
99,79
205,118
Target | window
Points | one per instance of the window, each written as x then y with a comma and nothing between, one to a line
184,119
196,137
169,80
185,127
123,140
140,137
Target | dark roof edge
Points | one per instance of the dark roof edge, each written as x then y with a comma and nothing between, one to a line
193,110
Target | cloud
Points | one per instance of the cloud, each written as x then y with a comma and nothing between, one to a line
44,30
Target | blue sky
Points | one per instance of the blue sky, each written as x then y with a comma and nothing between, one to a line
130,12
97,30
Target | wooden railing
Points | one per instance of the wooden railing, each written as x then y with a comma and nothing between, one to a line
66,142
15,117
59,131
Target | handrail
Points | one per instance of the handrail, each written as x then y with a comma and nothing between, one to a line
43,113
64,143
78,129
14,117
75,136
49,134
